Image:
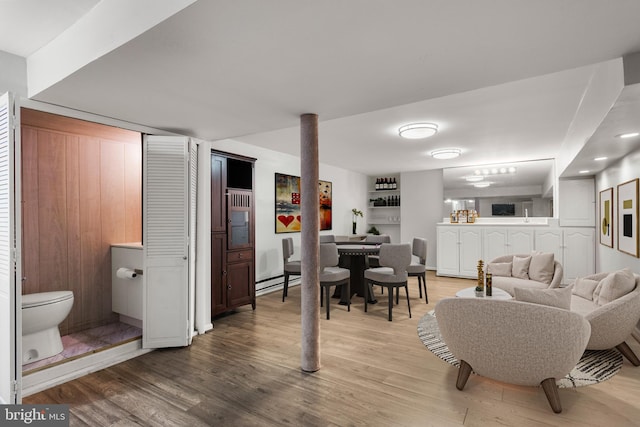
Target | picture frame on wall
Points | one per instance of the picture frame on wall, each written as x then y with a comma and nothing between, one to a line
287,204
628,217
606,217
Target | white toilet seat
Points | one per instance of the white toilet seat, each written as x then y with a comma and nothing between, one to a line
44,298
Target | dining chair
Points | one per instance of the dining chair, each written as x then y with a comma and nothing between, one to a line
327,238
291,267
374,260
418,269
394,259
331,274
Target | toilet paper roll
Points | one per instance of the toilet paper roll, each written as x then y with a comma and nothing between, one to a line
126,273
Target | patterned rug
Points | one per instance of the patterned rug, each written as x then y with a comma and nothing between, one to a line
594,367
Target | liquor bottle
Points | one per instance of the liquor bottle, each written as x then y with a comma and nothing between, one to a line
394,185
489,286
385,184
377,183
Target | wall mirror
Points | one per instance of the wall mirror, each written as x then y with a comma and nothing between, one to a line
501,189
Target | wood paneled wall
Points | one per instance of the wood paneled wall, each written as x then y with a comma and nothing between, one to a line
81,192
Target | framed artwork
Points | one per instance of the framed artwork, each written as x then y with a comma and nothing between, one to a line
628,217
288,219
606,217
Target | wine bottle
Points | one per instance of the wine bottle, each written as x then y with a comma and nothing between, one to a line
489,286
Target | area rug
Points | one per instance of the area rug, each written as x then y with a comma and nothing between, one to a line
594,367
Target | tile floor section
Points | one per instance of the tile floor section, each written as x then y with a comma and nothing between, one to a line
87,342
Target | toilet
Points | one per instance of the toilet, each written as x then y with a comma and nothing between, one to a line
41,314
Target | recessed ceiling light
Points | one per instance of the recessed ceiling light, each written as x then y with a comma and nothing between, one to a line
597,159
446,153
584,171
628,135
474,178
471,201
418,130
482,184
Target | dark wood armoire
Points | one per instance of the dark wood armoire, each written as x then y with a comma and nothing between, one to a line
232,232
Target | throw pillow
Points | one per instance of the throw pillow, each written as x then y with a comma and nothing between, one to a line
614,286
521,267
541,268
500,269
584,288
556,297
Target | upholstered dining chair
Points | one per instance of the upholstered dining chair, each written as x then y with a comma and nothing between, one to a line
374,260
331,274
291,267
394,259
418,269
327,238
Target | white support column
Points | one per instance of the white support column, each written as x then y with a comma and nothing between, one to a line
310,205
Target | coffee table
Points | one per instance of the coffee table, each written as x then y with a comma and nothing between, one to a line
497,293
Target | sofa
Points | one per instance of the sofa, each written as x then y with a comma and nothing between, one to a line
611,304
531,271
510,341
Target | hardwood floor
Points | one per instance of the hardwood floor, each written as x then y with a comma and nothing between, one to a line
246,372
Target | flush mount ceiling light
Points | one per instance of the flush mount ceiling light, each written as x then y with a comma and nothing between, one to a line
598,159
584,171
628,135
474,178
418,130
482,184
446,153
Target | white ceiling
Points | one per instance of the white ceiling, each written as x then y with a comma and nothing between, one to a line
504,79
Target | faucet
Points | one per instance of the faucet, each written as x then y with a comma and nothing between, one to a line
526,215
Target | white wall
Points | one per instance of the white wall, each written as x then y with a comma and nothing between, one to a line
13,77
421,195
349,191
609,259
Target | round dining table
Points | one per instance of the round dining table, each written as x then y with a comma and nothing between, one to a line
353,256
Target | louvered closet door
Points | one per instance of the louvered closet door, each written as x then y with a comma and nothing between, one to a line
9,248
165,236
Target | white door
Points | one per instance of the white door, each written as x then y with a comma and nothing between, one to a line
448,255
470,251
165,240
520,241
10,268
579,253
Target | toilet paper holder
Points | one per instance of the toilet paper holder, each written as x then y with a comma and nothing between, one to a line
128,273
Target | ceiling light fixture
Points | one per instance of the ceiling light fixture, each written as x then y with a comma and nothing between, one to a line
446,153
583,171
474,178
628,135
418,130
598,159
482,184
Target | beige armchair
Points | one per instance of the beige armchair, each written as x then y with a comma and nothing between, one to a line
514,342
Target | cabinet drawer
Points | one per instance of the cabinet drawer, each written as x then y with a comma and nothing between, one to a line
236,256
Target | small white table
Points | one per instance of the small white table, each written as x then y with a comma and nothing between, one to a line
471,293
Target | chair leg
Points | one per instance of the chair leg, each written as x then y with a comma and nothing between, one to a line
463,375
406,289
397,295
626,351
349,293
390,302
420,286
327,293
322,289
424,283
285,289
551,391
366,294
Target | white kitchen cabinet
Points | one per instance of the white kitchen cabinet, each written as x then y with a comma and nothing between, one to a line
459,249
577,202
573,247
507,240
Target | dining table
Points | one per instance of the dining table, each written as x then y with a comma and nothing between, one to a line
353,256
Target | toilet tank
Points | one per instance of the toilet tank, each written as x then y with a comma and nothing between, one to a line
126,293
